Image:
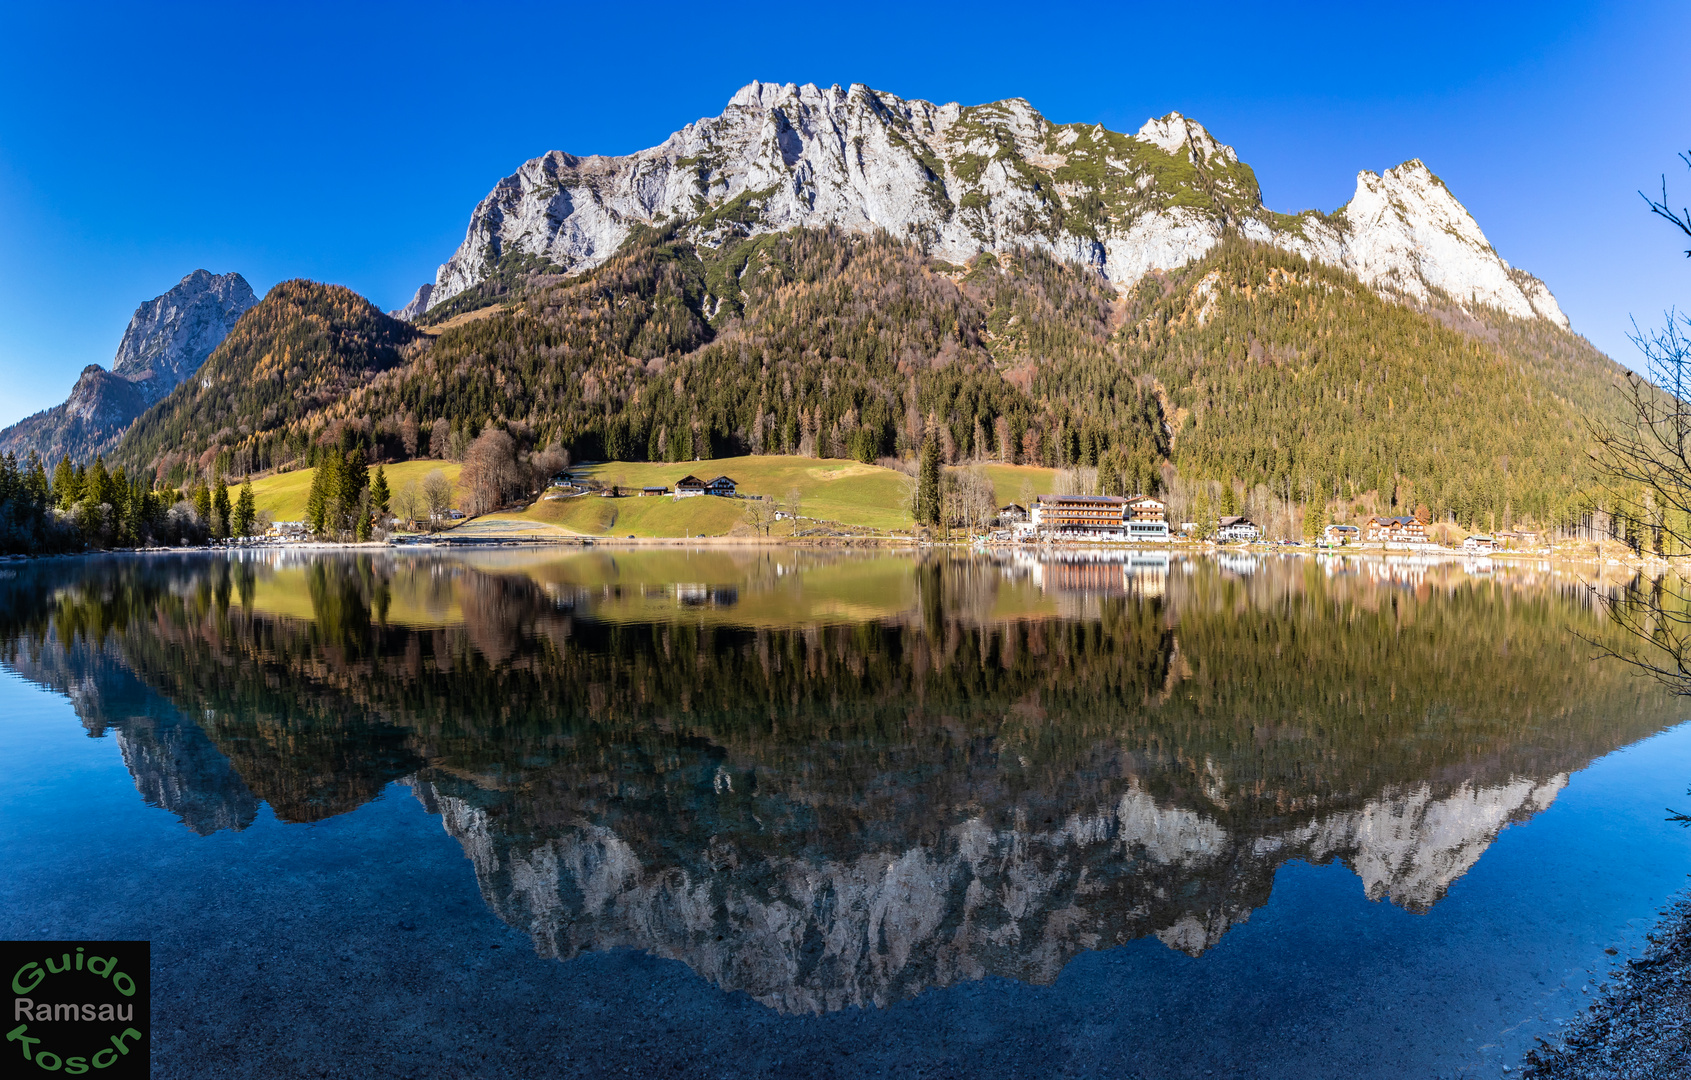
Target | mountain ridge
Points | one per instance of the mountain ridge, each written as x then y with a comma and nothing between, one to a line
966,180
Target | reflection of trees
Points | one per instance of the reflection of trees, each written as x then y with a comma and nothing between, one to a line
1048,784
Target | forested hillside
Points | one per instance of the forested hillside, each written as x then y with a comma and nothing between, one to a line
1291,374
288,362
1251,367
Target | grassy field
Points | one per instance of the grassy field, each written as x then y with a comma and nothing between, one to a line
831,490
284,493
847,492
1010,482
592,515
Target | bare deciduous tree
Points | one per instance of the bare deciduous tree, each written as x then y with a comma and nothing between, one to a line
794,504
491,474
760,512
408,502
437,493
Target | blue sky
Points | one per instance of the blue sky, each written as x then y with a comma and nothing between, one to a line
348,143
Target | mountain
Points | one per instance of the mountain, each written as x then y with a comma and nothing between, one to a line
300,351
167,339
1057,295
963,180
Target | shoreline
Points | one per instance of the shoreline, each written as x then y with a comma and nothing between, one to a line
1640,1023
445,542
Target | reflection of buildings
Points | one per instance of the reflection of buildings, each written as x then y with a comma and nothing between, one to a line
1096,572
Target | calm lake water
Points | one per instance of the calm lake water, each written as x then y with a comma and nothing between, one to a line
794,813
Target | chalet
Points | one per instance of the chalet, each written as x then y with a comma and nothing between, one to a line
1340,535
1393,530
1011,514
1147,518
288,529
1234,529
688,486
1098,515
1479,543
654,489
721,487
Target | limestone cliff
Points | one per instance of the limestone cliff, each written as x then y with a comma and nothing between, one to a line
962,180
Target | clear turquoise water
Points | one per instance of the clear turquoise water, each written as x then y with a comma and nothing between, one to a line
354,855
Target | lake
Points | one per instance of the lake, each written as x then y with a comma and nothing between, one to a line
776,812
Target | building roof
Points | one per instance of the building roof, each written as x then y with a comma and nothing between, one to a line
689,481
1393,520
1228,522
723,480
1101,500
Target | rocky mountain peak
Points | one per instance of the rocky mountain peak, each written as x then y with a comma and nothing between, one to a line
170,335
963,180
1173,133
167,340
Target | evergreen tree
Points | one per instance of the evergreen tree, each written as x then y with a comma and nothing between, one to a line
1314,522
37,489
316,502
927,483
1229,500
379,493
98,483
202,502
1202,515
67,488
241,522
220,509
354,478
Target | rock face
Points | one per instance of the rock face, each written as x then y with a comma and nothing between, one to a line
167,340
418,304
963,180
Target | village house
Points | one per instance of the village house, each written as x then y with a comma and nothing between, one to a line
1147,518
1237,529
689,486
1340,535
1010,514
654,489
722,487
1479,543
1393,530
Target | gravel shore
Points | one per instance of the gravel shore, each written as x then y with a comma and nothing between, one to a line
1639,1028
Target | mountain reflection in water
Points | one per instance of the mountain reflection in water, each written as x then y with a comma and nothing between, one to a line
832,780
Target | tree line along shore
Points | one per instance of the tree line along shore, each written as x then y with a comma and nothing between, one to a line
496,483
